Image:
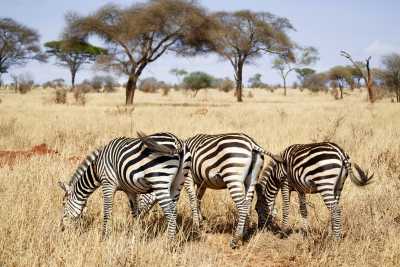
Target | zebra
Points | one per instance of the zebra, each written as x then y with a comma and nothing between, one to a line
308,169
153,163
231,160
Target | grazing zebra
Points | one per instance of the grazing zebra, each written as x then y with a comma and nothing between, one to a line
307,168
135,166
221,161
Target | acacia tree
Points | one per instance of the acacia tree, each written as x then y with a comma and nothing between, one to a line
72,53
285,65
391,73
178,73
365,71
303,74
140,34
18,45
243,36
340,75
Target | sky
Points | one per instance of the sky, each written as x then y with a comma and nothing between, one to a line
362,27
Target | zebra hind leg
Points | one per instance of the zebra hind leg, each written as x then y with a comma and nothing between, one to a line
243,208
336,223
304,213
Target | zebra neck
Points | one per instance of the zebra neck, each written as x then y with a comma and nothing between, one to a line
83,183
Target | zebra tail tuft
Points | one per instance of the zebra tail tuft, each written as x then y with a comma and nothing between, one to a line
154,146
363,177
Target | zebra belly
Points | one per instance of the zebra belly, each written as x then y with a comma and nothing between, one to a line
215,182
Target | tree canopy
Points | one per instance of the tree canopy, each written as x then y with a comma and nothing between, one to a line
391,73
73,53
18,45
140,34
243,36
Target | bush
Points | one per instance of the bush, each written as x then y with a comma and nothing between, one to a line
61,96
23,83
80,96
148,85
198,80
226,85
97,83
109,84
316,82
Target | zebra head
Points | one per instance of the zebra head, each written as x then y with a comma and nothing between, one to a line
267,189
70,212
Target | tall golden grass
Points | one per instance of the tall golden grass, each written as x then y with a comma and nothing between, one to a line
30,201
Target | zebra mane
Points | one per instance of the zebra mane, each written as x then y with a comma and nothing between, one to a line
85,164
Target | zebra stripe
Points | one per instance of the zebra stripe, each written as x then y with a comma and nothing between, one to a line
231,161
308,169
134,166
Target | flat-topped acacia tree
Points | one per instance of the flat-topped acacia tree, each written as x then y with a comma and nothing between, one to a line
243,36
73,53
140,34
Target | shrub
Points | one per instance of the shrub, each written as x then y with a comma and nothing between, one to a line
198,80
97,83
109,84
23,83
226,85
165,91
80,96
316,82
61,96
148,85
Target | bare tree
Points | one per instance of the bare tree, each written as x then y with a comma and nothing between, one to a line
243,36
365,70
18,45
140,34
285,65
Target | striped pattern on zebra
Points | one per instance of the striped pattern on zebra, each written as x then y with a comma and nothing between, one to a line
308,169
135,166
232,161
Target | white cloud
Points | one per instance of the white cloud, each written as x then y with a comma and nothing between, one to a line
379,48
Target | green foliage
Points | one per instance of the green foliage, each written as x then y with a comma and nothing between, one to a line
255,81
316,82
391,73
18,45
198,80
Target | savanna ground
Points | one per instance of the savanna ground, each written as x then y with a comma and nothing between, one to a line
31,201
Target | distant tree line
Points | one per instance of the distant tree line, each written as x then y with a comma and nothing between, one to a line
135,36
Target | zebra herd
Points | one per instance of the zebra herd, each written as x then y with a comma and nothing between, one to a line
153,169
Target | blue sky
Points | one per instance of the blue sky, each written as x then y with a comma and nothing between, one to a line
361,27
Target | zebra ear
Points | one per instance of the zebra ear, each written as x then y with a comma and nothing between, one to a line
64,186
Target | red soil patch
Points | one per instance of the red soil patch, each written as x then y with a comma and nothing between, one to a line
8,157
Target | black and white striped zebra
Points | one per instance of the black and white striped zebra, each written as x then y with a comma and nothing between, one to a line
153,164
308,169
221,161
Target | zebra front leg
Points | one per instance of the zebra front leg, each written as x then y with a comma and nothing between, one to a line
108,196
134,204
285,204
303,212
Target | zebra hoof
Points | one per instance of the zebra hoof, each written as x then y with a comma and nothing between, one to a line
234,244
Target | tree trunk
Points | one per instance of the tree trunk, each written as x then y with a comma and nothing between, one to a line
73,74
239,72
130,89
398,95
341,91
284,87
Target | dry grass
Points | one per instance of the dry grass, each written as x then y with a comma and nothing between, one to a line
31,201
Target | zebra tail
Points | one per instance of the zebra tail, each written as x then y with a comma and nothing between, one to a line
156,147
362,178
276,157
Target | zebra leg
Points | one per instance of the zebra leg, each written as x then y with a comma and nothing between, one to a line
199,194
238,196
169,208
303,211
146,202
194,204
108,196
285,204
336,222
134,204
